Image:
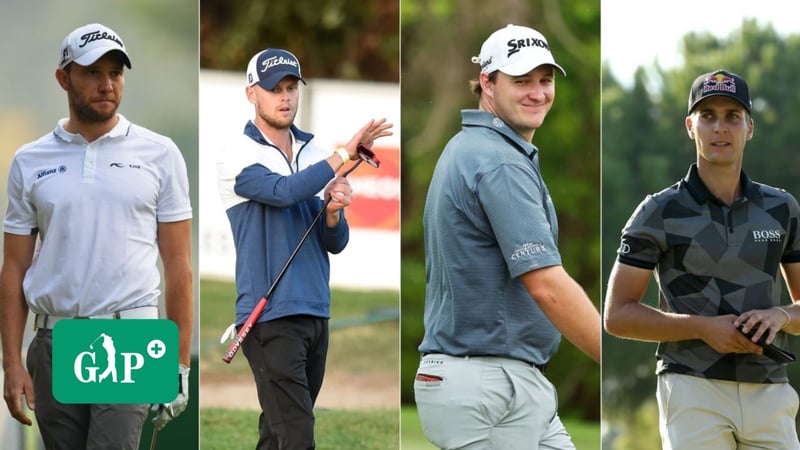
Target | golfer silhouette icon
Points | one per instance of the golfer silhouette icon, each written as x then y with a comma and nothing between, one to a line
111,354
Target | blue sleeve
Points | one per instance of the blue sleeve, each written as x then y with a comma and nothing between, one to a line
262,185
335,239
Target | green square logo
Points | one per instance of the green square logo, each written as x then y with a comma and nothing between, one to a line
115,361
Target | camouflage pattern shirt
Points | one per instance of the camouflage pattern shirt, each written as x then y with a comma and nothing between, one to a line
713,259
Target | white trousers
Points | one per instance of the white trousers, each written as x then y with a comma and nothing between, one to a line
699,413
485,402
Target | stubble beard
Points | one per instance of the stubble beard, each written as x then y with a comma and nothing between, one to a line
276,123
84,112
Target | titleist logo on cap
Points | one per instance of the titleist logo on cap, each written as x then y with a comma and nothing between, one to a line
98,35
277,61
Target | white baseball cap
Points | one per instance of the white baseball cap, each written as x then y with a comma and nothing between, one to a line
87,44
515,50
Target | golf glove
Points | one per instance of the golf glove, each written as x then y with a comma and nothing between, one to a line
168,411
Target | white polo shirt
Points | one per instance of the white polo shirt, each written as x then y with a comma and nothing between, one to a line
96,207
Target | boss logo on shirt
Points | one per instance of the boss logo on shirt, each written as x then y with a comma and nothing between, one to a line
46,172
767,236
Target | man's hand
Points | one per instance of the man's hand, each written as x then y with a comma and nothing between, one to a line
340,193
168,411
17,383
765,322
367,135
721,334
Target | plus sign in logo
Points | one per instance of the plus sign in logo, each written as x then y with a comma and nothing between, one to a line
115,361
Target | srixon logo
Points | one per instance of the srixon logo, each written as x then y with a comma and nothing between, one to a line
115,361
515,45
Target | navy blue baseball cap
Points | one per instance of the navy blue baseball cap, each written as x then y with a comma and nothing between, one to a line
720,82
268,67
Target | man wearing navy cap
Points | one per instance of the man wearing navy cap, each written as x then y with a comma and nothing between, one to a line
273,180
717,243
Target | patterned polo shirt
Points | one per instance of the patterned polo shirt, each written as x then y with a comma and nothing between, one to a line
711,259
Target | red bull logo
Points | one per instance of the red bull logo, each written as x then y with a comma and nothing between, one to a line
719,82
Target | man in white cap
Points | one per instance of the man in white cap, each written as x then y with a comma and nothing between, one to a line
497,297
92,206
272,179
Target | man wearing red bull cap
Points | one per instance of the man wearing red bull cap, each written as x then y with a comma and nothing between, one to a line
498,299
716,242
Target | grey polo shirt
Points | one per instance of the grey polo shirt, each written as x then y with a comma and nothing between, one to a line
488,219
710,259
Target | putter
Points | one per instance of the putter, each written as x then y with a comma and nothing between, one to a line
154,438
364,155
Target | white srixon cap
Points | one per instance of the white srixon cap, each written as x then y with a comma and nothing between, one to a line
87,44
515,50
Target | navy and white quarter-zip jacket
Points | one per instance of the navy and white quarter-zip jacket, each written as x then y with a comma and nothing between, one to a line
270,203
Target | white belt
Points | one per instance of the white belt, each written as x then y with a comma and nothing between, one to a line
142,312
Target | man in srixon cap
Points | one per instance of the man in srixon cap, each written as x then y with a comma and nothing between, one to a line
100,199
717,243
273,179
497,298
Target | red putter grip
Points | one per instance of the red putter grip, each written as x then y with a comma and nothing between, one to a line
248,325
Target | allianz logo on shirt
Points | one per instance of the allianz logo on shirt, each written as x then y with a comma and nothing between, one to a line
115,361
45,172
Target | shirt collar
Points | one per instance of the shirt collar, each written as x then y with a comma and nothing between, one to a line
252,131
479,118
120,129
700,191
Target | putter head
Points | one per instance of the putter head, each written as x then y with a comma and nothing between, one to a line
368,156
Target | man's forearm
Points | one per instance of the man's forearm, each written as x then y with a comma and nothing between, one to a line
13,316
180,309
567,306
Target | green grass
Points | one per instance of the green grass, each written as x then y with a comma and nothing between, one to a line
224,429
373,347
585,435
365,348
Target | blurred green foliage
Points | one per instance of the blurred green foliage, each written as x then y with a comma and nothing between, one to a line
338,39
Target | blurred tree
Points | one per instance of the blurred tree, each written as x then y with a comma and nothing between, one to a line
339,39
438,39
646,149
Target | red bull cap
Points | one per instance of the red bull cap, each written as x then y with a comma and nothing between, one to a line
720,82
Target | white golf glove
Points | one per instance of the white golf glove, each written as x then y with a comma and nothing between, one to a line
168,411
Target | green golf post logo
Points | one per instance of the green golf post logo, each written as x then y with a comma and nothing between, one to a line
115,361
